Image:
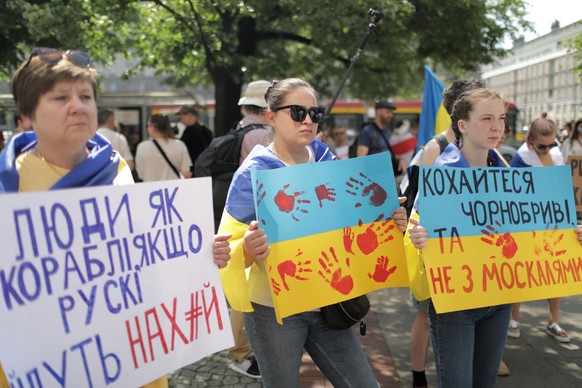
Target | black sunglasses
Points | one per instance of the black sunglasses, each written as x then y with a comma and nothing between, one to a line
52,56
299,113
543,147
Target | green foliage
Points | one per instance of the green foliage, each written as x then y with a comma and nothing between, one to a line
197,42
575,44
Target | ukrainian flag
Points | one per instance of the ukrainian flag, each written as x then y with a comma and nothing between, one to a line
434,118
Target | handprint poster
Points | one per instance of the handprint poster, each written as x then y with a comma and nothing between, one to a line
330,230
499,235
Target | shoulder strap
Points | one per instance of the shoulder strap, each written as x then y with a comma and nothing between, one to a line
166,158
442,140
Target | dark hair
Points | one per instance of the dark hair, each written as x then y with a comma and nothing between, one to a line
34,78
542,126
162,125
278,90
452,93
103,115
17,118
575,131
253,110
464,106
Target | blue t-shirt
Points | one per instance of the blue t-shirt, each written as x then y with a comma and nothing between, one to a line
373,139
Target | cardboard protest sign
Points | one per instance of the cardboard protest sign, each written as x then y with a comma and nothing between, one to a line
575,163
499,235
108,286
330,230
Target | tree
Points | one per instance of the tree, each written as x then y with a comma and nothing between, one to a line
575,44
226,43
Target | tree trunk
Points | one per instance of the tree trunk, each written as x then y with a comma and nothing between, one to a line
226,95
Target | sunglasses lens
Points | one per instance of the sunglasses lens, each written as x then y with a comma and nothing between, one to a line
79,58
298,113
316,114
48,55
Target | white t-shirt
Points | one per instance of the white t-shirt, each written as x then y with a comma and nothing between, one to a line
151,166
118,142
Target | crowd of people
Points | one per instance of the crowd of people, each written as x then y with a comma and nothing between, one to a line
66,142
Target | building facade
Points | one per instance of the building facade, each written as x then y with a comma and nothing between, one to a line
538,77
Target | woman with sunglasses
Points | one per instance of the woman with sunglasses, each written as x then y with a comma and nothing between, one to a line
293,114
56,91
540,149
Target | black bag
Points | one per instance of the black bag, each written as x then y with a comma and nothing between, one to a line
413,172
353,150
343,315
220,161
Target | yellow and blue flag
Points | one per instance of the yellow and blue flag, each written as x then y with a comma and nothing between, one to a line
434,118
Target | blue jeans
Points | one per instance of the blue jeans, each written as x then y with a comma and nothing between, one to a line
279,349
468,345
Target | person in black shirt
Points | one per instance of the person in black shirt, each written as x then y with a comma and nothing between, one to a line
196,136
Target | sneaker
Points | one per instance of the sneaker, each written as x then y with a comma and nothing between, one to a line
248,367
503,370
557,333
514,330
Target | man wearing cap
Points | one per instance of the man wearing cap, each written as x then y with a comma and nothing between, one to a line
254,110
374,137
196,136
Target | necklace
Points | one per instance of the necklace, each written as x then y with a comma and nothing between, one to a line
51,166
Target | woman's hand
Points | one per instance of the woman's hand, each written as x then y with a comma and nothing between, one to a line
418,234
255,242
579,233
221,249
399,216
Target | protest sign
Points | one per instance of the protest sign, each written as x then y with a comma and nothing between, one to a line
108,286
575,163
330,230
499,235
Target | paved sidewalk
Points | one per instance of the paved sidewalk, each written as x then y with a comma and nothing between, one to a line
535,360
213,371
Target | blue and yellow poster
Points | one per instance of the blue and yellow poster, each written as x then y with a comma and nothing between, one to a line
330,230
499,235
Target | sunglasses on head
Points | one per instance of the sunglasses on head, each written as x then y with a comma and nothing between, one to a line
52,56
299,113
543,147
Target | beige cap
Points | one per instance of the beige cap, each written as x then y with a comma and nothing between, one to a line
255,94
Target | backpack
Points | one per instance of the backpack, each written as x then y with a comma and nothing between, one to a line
412,189
353,150
220,161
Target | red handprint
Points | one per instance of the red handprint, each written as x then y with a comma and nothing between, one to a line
260,193
276,286
377,195
293,269
348,239
339,282
382,272
286,202
505,241
369,240
550,240
323,192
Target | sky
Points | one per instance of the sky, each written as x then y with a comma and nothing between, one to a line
542,14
